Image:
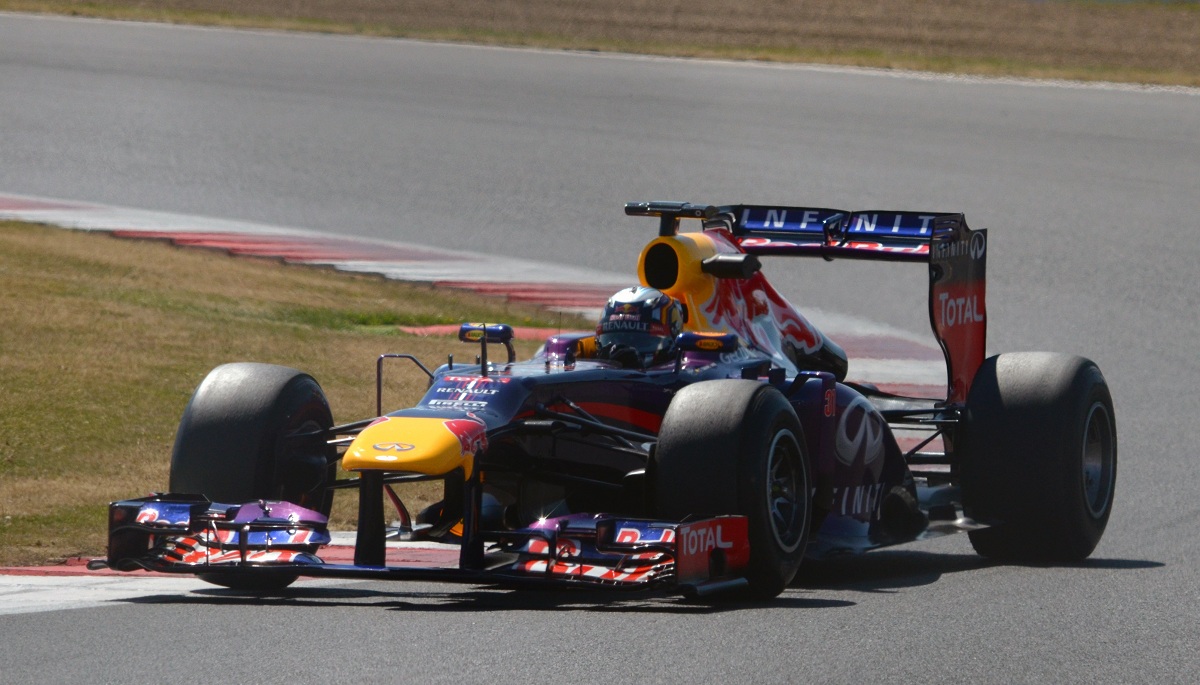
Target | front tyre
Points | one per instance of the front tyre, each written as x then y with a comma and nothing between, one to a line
1040,457
238,437
736,447
250,432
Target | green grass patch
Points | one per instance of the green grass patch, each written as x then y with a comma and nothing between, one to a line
41,537
380,322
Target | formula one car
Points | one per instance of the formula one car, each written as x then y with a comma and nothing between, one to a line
703,439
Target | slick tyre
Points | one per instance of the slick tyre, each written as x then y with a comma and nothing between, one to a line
255,431
736,447
1039,457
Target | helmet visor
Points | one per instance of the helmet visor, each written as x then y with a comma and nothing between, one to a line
644,343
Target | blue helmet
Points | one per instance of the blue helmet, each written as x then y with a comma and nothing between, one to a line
641,318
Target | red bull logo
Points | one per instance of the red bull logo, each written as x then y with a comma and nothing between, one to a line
471,432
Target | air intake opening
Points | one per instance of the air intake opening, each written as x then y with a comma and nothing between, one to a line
661,266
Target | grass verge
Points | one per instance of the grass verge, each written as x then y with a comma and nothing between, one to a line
103,340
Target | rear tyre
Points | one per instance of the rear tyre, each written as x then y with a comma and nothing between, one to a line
237,442
1040,457
736,447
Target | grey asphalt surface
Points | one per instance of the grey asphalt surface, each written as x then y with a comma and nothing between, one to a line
1092,195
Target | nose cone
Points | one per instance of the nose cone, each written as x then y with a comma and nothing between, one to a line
429,446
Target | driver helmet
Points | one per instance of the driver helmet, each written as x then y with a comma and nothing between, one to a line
641,321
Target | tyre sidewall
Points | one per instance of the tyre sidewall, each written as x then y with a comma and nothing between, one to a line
1023,457
232,443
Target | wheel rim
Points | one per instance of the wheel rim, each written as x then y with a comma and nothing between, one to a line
787,491
1099,460
285,448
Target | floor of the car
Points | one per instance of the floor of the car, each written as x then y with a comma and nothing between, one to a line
888,402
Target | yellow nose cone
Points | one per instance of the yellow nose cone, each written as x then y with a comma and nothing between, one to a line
429,446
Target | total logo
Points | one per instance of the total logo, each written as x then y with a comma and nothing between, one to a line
703,539
959,310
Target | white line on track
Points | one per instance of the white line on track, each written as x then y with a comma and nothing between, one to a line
31,594
427,263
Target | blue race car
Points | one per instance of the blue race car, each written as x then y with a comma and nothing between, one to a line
703,439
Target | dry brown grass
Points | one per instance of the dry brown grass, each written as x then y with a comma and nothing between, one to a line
1153,42
102,341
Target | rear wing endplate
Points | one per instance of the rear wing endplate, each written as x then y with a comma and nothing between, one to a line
956,256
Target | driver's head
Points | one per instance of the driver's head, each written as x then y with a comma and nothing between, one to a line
639,323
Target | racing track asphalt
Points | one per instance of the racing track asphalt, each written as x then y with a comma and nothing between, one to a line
1091,193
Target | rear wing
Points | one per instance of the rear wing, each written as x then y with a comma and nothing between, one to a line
831,233
956,256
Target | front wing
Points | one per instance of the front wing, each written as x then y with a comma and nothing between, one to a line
189,534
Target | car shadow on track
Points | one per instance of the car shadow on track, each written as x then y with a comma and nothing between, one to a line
437,598
884,571
879,572
894,570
